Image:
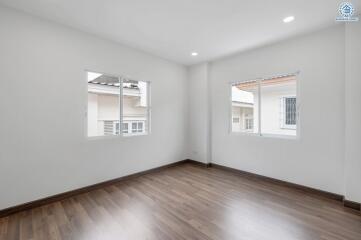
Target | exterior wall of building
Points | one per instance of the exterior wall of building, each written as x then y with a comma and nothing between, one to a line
105,107
108,107
241,114
132,110
272,114
108,110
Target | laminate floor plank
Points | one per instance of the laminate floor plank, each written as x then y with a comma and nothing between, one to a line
184,202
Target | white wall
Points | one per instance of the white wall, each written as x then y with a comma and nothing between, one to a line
43,97
92,114
353,111
198,133
317,158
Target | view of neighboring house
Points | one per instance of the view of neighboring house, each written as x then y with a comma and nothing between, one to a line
104,106
276,106
243,110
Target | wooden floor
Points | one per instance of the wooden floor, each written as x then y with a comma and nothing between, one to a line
187,202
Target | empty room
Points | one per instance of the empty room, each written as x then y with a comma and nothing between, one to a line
180,120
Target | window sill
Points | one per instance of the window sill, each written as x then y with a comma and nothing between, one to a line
92,138
275,136
127,135
288,128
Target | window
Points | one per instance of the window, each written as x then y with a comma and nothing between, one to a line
289,112
125,127
236,120
111,128
115,103
245,106
117,128
103,104
137,127
266,106
140,126
135,106
248,122
134,127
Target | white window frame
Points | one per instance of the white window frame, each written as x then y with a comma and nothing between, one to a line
146,123
259,133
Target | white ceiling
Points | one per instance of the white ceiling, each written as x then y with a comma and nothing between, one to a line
172,29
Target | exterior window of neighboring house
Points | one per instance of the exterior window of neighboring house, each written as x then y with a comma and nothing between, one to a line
236,120
140,126
117,128
137,127
266,106
125,127
115,103
244,106
134,127
248,122
289,112
136,106
111,128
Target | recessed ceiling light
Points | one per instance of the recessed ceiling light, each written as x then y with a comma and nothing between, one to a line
194,54
288,19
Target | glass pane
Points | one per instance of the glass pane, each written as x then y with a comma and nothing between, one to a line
135,105
134,127
103,104
245,107
140,127
279,111
125,127
117,128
